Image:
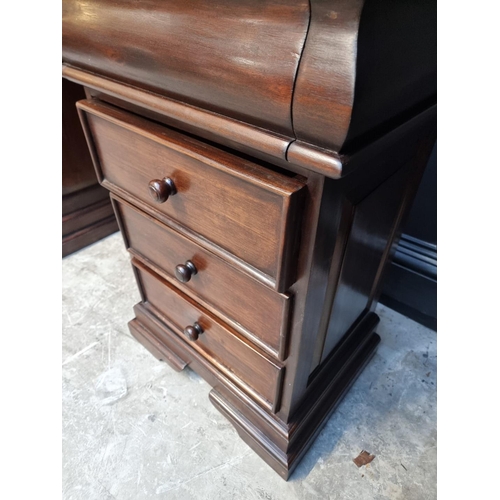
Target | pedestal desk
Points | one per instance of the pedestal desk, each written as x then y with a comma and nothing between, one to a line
260,157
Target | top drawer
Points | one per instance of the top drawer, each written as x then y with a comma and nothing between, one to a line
251,213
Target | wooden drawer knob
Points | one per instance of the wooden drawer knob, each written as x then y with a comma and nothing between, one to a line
192,332
160,190
183,272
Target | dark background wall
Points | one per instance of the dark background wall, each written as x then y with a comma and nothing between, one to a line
410,283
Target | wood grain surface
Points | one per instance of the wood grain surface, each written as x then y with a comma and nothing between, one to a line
235,57
255,310
218,343
77,170
324,90
226,199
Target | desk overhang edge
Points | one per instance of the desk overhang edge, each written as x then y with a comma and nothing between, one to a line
228,130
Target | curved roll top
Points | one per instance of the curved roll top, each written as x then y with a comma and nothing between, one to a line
237,58
298,80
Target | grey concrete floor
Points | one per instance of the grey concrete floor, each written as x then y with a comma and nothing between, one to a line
133,428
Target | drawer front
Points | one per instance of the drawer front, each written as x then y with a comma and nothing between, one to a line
248,211
226,349
254,309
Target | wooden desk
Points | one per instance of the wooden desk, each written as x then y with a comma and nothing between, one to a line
261,156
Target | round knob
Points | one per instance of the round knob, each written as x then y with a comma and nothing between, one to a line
192,332
183,272
160,190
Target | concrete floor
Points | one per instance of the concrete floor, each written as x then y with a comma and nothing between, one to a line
134,429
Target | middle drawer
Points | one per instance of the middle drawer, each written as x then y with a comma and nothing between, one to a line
259,313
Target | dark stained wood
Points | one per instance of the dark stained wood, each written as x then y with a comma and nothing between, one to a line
247,366
89,234
367,66
225,130
407,147
237,58
79,200
396,77
253,309
324,162
324,89
87,215
229,201
369,205
77,169
369,234
308,300
259,261
283,448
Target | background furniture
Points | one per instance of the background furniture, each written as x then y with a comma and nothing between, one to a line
87,215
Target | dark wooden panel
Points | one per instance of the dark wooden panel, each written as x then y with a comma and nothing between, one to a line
87,216
79,200
324,91
367,66
361,234
226,199
237,57
255,310
222,346
77,169
396,66
89,234
370,231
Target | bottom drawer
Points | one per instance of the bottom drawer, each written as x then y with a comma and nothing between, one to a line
251,369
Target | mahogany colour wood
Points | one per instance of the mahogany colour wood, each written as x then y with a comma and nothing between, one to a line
223,198
204,123
87,215
261,158
322,106
255,372
215,56
77,172
251,308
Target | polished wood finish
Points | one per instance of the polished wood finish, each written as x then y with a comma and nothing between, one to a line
87,225
322,106
219,196
255,372
396,77
215,57
336,60
259,186
251,308
77,169
202,122
87,215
